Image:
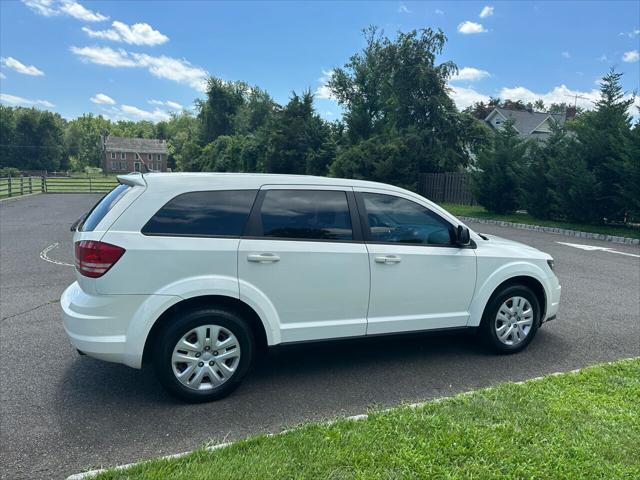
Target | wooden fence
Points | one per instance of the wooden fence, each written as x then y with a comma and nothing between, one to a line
16,186
13,187
451,187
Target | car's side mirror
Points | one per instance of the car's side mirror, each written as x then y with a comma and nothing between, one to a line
463,237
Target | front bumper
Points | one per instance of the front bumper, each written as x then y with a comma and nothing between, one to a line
107,327
553,302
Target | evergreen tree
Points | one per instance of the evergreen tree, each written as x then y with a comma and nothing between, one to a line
497,183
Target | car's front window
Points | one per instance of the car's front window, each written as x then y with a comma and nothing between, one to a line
398,220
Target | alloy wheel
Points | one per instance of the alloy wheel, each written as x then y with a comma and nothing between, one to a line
205,357
514,320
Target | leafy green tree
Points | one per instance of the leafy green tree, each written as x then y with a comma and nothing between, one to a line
82,139
297,139
497,183
603,137
631,181
218,111
394,91
539,197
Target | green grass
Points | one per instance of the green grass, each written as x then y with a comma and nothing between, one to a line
569,426
477,211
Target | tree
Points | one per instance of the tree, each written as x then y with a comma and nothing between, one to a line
393,91
217,113
497,182
297,139
603,139
631,182
539,195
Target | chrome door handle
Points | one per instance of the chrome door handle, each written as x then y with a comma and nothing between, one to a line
263,257
388,259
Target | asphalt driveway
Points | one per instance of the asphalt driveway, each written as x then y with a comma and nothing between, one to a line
61,413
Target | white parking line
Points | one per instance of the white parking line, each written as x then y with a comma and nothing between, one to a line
44,256
592,248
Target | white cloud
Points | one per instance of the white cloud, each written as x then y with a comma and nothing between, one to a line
487,11
469,27
561,94
470,74
136,34
42,7
24,102
168,103
102,99
104,56
323,90
135,113
439,12
631,56
50,8
403,9
566,54
465,97
19,67
631,34
178,70
75,10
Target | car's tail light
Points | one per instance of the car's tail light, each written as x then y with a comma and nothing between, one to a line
94,259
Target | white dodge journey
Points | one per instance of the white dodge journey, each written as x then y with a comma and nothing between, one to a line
195,273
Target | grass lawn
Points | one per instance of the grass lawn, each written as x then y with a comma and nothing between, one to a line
477,211
569,426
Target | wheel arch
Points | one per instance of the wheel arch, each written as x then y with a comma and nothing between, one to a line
522,274
245,311
530,282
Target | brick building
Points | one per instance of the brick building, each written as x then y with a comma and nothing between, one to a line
124,155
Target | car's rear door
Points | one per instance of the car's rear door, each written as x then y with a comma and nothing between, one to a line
303,251
420,279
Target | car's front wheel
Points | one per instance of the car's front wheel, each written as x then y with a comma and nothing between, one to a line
511,319
204,354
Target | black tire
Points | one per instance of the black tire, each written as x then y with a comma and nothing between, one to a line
487,330
181,325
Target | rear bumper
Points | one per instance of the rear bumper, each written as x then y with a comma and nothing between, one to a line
108,327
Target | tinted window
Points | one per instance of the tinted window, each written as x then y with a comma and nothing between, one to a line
101,208
397,220
312,214
219,213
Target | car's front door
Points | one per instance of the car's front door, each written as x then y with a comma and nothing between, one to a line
303,252
419,279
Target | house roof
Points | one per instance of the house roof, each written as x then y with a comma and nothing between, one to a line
524,121
138,145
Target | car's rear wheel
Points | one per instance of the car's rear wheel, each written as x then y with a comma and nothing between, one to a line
203,354
511,319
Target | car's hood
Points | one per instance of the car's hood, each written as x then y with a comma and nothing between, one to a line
515,249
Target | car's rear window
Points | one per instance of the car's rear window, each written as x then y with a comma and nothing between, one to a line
101,208
220,213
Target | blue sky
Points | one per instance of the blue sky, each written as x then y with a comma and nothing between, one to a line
144,59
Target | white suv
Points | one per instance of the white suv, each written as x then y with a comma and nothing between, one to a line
197,272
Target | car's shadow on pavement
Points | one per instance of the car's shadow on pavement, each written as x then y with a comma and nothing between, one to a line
291,383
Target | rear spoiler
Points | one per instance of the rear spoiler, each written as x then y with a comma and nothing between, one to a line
132,179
